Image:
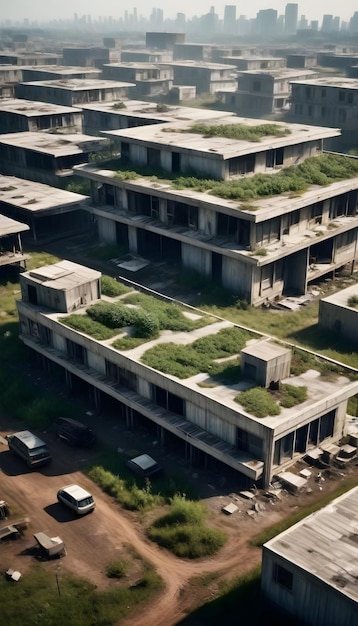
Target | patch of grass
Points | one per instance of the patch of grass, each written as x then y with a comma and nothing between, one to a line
74,601
128,343
116,569
183,532
79,185
40,259
85,324
227,372
259,252
235,131
290,395
258,401
185,361
112,288
352,408
105,252
130,496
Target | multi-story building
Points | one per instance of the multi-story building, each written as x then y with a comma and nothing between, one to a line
11,252
247,242
332,101
205,421
30,58
58,72
48,211
73,92
148,79
206,77
263,92
146,56
26,115
254,62
45,157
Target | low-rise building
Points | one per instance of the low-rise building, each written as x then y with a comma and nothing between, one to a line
163,40
309,572
30,58
206,77
45,157
58,72
339,313
10,242
193,51
11,74
149,79
146,56
301,60
104,116
48,211
26,115
254,62
263,92
332,101
73,92
203,417
87,56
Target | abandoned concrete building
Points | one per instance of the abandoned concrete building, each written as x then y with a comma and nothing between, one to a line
332,101
26,115
206,77
11,252
45,157
30,58
309,572
254,62
73,92
88,56
103,116
263,92
59,72
163,40
248,246
339,313
146,56
48,211
193,51
149,79
205,421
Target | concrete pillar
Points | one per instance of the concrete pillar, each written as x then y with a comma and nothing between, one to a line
68,378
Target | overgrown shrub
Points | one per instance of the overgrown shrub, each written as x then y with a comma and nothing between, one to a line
258,401
130,496
235,131
90,327
147,325
353,302
292,395
112,288
183,531
117,569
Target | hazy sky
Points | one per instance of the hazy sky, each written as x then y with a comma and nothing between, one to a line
45,9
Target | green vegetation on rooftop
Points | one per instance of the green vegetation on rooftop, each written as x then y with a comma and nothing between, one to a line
353,302
234,131
185,361
321,170
261,402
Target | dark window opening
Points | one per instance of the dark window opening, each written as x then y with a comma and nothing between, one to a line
125,151
179,214
32,294
242,165
139,203
167,400
153,158
274,157
76,352
216,266
121,376
326,426
175,162
282,576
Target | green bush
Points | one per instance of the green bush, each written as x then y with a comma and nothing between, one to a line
183,531
236,131
112,288
147,325
117,569
90,327
258,402
112,315
130,496
353,302
291,395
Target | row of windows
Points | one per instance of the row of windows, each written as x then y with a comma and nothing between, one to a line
311,93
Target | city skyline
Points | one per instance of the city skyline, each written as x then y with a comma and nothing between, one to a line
42,11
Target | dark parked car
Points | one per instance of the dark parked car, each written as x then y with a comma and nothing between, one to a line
144,466
74,433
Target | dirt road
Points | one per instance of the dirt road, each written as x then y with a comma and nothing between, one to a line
110,533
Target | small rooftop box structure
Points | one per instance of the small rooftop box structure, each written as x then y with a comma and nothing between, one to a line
265,362
63,286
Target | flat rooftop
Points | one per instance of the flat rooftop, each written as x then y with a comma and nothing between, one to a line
325,545
148,110
201,65
331,81
340,298
34,197
63,70
179,137
30,108
78,84
63,275
9,226
55,145
137,65
280,72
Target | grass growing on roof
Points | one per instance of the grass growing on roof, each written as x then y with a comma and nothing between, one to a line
184,361
85,324
258,402
112,288
235,131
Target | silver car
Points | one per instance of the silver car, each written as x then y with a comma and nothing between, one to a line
77,499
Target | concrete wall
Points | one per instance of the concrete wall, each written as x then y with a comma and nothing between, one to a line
342,320
310,600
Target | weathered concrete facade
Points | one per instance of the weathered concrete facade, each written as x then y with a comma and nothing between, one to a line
73,92
24,115
339,313
208,419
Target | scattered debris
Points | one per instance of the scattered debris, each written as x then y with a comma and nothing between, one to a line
13,575
229,509
305,473
248,495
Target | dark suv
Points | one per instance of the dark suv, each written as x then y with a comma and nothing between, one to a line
74,433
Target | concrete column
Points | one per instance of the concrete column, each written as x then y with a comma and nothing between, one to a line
68,378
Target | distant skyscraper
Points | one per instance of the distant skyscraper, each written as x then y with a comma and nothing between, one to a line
266,22
327,24
230,19
291,18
